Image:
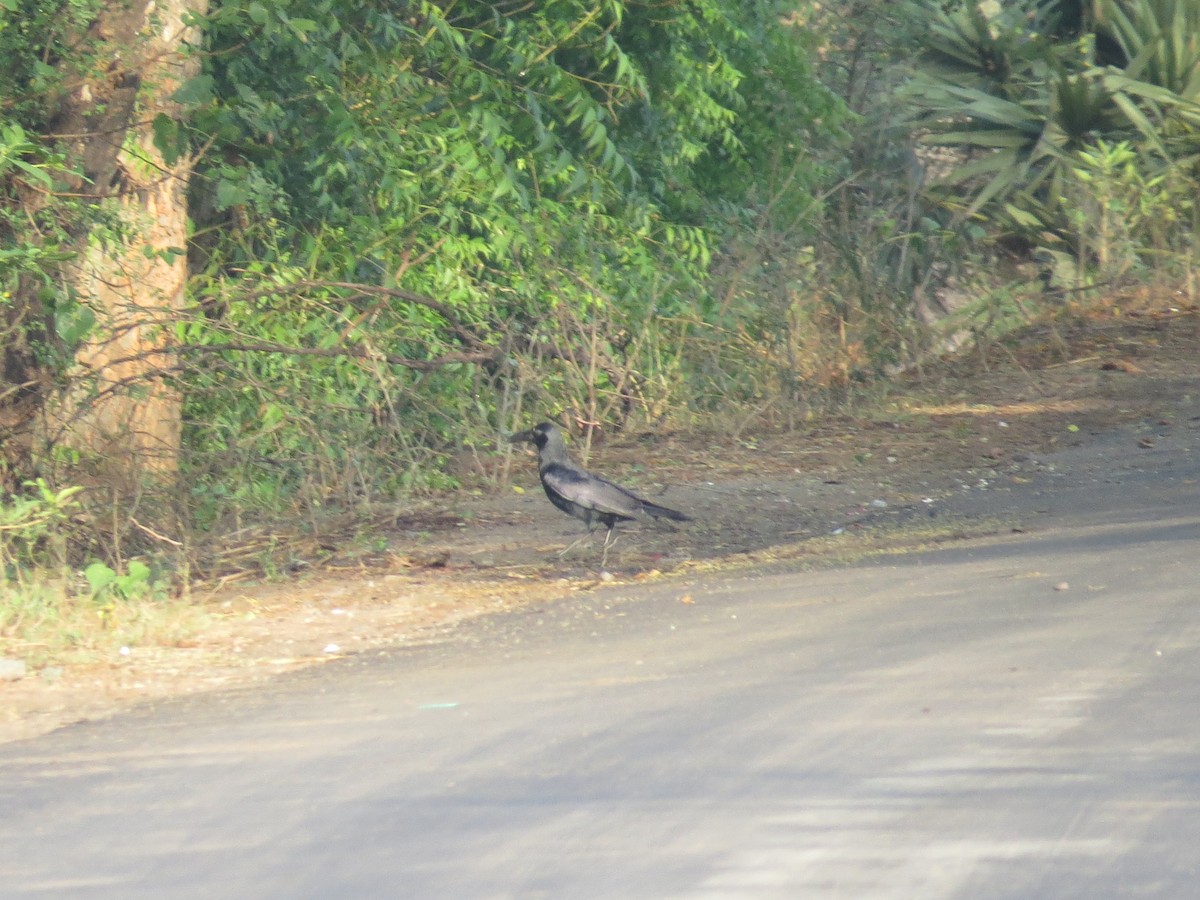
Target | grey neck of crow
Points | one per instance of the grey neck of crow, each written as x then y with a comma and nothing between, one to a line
554,450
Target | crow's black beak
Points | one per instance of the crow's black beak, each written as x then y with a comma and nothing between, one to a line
521,436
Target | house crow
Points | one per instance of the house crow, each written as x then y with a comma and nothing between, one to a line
591,499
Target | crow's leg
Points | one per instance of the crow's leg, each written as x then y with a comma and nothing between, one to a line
609,540
575,543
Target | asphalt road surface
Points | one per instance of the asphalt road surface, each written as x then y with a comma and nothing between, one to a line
1010,718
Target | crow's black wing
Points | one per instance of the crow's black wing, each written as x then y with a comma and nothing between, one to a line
615,500
591,493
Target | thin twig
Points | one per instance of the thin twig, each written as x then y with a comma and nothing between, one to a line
154,534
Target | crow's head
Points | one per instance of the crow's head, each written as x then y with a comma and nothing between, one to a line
549,442
539,435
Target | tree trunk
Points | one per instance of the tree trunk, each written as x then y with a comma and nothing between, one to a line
120,410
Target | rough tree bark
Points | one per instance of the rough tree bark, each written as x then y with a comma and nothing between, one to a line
120,410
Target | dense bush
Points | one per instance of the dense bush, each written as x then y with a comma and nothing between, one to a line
417,225
1078,125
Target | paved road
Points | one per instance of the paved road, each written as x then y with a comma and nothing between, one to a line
943,725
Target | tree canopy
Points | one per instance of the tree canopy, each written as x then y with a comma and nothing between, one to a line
426,185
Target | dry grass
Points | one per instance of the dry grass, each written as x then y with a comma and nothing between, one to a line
47,625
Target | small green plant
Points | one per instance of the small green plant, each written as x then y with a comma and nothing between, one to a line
33,529
136,583
1121,212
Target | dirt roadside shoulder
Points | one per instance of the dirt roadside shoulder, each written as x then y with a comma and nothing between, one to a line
984,447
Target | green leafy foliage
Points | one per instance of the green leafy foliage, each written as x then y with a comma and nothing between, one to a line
46,50
42,52
33,529
135,583
416,222
1026,90
1120,214
36,237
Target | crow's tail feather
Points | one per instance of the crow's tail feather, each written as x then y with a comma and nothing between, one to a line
664,512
